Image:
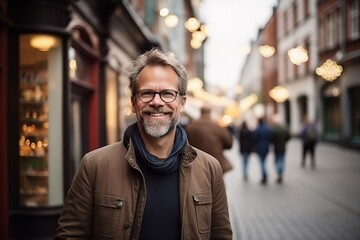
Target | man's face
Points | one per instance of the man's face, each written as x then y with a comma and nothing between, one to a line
157,118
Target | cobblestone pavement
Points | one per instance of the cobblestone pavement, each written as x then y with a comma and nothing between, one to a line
310,204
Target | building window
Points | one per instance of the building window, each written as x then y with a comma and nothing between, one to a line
40,123
330,30
321,34
295,11
354,21
306,8
286,24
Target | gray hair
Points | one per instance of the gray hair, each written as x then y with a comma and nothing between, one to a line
156,57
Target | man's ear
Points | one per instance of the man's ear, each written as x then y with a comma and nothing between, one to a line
183,102
133,101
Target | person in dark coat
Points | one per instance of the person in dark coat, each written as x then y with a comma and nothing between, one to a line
309,137
280,136
245,147
208,136
262,140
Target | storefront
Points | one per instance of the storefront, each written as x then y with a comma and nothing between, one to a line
62,79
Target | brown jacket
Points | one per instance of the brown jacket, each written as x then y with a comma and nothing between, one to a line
208,136
108,188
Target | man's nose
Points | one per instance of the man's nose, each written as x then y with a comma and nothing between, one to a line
157,100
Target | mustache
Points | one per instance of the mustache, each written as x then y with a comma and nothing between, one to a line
156,110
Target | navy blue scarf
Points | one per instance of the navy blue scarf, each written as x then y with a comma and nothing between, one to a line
164,166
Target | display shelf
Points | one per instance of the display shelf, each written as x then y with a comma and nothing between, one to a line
33,136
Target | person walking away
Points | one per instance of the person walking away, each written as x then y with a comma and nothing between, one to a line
246,147
262,140
152,184
309,137
208,136
280,137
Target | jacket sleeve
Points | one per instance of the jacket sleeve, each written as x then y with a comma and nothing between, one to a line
221,227
75,221
227,138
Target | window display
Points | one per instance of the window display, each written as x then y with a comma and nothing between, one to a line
40,121
33,142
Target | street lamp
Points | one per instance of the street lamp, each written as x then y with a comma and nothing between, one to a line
279,94
329,70
298,55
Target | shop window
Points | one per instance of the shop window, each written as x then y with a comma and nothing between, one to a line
355,114
40,123
112,98
332,116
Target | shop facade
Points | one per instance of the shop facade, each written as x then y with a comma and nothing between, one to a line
63,93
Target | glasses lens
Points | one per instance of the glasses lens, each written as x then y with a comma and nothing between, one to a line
168,95
146,95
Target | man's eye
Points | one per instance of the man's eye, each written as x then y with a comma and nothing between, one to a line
168,94
147,94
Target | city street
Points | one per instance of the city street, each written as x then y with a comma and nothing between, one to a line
310,204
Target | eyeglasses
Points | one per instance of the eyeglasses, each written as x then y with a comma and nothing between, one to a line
147,95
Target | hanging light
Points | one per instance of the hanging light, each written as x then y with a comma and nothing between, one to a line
279,94
266,50
171,20
195,44
192,24
298,55
329,70
164,12
199,35
43,42
195,84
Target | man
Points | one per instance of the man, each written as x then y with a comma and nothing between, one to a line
205,134
309,137
280,137
262,140
246,147
152,184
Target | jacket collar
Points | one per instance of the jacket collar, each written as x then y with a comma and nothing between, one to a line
186,156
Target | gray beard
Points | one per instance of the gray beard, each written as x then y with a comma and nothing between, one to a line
158,129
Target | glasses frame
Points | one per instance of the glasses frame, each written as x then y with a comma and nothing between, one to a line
157,92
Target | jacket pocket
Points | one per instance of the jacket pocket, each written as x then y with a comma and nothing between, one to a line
203,205
106,213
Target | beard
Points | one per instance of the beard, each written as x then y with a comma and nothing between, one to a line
158,128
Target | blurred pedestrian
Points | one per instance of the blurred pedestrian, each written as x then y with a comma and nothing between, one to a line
262,140
246,147
207,135
309,137
280,136
152,184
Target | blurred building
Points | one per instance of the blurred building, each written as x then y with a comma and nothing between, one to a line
64,92
339,54
298,59
315,64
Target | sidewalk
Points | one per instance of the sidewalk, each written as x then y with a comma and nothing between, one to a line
311,204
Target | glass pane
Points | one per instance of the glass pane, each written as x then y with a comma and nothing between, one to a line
112,106
40,137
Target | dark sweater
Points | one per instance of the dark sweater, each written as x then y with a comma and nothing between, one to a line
161,219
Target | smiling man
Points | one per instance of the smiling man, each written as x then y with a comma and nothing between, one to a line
152,184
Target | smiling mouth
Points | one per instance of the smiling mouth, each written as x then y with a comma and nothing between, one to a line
156,114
